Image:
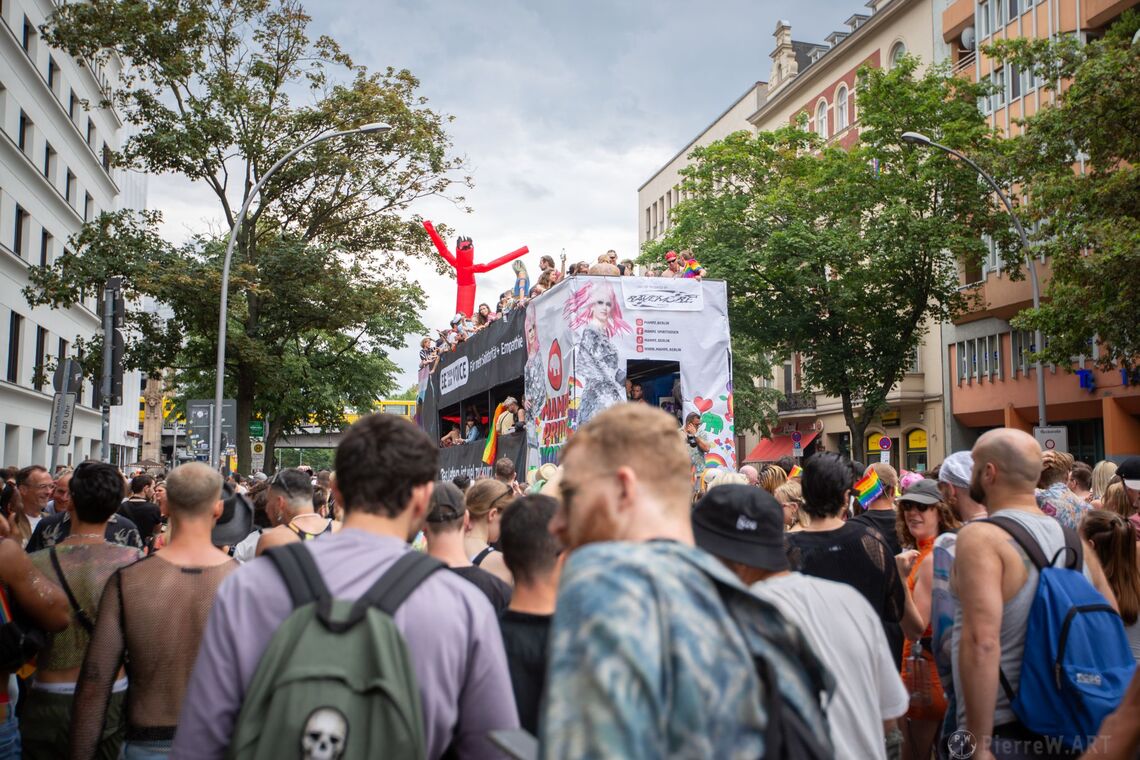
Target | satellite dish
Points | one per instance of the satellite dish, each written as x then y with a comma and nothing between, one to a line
968,38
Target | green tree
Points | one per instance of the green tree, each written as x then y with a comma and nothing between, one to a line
218,91
1077,160
411,393
845,256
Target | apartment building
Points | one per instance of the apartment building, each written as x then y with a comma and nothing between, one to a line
990,381
55,146
817,80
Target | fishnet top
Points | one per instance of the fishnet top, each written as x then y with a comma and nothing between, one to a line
151,618
858,556
86,568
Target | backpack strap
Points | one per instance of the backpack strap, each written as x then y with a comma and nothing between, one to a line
398,582
482,555
300,573
80,614
1074,550
1023,538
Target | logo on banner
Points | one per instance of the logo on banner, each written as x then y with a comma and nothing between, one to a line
651,294
554,366
453,377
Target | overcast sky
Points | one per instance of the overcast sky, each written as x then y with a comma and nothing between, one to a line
562,109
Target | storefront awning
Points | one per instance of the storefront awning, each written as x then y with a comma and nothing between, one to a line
771,449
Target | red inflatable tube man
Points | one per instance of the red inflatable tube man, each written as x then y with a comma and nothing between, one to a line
465,267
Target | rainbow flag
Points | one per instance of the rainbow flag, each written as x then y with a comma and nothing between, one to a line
868,489
692,268
491,450
796,472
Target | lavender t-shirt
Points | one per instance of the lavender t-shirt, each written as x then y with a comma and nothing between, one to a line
450,627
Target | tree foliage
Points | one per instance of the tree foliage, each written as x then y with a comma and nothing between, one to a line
845,256
1077,160
218,91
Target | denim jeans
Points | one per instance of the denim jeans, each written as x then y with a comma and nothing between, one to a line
137,750
9,734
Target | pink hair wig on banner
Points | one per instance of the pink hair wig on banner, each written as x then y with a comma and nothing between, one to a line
579,308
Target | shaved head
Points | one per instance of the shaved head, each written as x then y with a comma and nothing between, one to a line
1013,453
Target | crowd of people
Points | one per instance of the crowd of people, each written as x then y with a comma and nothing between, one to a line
462,327
793,610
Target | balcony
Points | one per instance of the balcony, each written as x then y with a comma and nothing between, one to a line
796,402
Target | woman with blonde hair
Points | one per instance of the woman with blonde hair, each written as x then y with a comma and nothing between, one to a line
772,477
1102,476
486,500
790,495
1115,500
1113,538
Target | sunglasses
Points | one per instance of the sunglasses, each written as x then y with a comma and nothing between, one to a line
908,506
278,482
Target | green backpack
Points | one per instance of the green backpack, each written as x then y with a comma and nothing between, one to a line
336,682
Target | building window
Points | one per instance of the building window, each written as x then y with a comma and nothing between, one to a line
38,370
72,105
106,157
985,20
916,451
88,207
999,14
28,38
788,378
821,126
897,52
15,327
20,233
69,188
53,75
998,79
24,133
49,161
913,366
90,132
45,248
1012,10
1021,347
1014,82
841,108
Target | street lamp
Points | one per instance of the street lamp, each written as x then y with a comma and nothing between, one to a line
915,138
378,127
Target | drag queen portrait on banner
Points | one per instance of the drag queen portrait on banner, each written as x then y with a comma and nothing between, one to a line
594,314
534,378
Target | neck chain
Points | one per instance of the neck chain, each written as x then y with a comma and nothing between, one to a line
99,536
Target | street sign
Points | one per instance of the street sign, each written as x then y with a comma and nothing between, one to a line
884,443
71,371
1052,438
62,415
258,456
257,428
797,436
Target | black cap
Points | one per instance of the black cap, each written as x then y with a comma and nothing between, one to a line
236,521
923,491
446,503
742,524
1129,472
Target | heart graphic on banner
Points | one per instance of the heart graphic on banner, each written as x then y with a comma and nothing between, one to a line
702,404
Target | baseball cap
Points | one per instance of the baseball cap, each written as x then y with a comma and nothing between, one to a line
742,524
671,256
446,503
1129,472
957,469
924,491
236,521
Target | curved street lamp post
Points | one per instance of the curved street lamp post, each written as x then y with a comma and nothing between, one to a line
915,138
220,379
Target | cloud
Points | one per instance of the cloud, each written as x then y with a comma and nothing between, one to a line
562,109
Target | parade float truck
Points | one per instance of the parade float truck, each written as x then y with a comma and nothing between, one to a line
567,356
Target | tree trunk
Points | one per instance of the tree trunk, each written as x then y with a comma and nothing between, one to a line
856,426
245,389
270,451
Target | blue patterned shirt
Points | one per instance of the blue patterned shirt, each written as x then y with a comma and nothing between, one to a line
1060,502
644,662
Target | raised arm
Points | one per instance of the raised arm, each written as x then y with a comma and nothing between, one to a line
480,268
40,599
439,244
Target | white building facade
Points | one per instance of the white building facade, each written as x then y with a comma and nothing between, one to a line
54,176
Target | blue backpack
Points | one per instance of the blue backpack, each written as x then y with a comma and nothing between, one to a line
1077,663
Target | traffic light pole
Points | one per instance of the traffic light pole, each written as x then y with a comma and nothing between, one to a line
108,367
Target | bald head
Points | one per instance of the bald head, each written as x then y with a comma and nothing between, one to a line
751,473
192,489
1014,454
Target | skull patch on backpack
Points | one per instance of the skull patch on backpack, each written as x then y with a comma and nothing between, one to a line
324,736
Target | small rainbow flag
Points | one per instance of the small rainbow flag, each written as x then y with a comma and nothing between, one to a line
491,450
796,472
868,489
692,268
